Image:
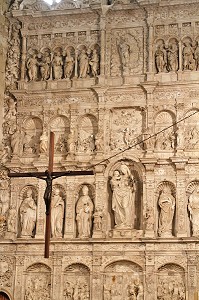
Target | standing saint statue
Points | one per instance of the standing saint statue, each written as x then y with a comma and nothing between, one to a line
83,64
69,65
84,214
57,214
166,203
32,67
28,214
193,208
123,197
57,64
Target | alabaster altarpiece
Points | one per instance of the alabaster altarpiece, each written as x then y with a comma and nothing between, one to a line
107,77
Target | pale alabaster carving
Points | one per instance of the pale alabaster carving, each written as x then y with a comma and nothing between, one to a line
98,215
43,146
32,67
57,214
11,220
45,66
68,65
124,52
16,141
135,290
172,58
196,56
94,63
123,198
188,60
170,289
84,213
83,64
28,214
160,59
166,203
193,207
57,64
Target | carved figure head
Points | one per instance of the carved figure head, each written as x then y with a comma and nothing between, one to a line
29,192
85,190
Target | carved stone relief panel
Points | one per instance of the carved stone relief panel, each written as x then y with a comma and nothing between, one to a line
61,127
38,282
126,128
126,52
123,280
87,130
77,282
6,271
165,140
171,281
191,132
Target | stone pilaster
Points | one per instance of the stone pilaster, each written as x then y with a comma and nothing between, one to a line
181,229
150,281
97,286
192,275
19,287
69,231
41,216
57,280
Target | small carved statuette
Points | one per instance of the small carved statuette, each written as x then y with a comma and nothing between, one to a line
84,213
188,57
68,65
83,64
57,214
43,146
166,203
160,59
32,67
57,64
98,216
27,213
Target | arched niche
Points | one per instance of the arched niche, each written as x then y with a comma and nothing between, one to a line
84,210
4,296
32,128
126,195
61,128
191,131
87,129
166,207
126,126
171,281
58,211
123,279
165,140
192,193
27,213
38,281
77,281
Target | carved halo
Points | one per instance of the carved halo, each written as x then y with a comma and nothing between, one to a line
166,184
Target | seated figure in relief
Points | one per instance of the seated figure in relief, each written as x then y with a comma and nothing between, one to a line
166,203
123,197
84,214
193,208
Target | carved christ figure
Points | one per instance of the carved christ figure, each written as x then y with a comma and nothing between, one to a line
193,207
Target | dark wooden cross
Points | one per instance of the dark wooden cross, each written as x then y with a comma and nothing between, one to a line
48,176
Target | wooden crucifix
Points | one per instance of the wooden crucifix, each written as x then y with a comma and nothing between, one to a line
48,176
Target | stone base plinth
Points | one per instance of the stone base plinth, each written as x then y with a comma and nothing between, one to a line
125,233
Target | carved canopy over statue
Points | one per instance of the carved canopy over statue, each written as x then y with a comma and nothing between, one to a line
123,197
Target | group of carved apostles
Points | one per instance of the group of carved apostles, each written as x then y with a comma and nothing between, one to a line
167,58
61,64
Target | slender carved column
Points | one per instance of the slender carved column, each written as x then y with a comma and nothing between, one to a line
192,275
19,286
70,209
151,45
57,280
97,286
181,229
40,210
103,41
23,57
150,288
149,203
